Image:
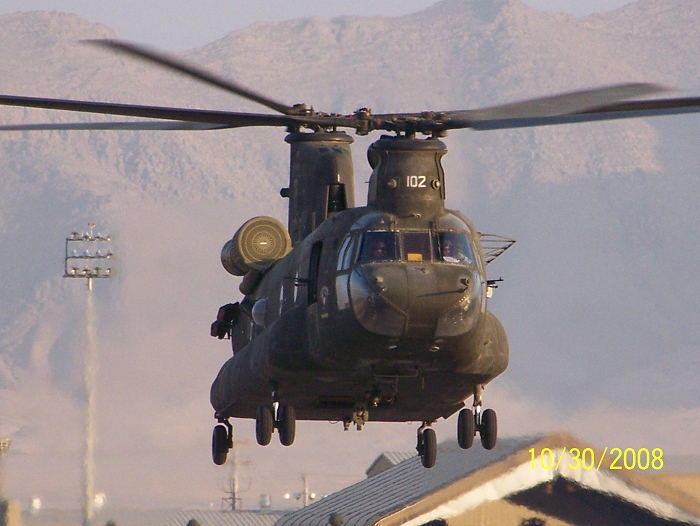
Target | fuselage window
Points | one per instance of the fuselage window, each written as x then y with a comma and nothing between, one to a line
454,248
416,246
378,246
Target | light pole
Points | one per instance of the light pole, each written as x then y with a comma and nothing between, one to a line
4,447
88,256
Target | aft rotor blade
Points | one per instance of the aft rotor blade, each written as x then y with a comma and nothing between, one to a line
133,126
565,103
195,72
225,118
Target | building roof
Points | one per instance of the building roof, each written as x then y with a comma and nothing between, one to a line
388,460
224,518
371,499
411,495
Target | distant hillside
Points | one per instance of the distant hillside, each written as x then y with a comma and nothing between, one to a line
600,299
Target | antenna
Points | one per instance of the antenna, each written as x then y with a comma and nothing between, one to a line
233,502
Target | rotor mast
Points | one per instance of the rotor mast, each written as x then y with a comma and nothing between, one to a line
321,180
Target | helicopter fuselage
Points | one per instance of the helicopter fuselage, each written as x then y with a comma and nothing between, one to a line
382,308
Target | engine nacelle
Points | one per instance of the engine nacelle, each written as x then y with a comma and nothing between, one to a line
256,246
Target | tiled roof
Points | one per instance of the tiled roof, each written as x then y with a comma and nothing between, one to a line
224,518
369,500
388,460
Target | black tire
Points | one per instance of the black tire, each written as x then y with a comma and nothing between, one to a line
429,453
286,424
466,429
219,445
489,429
264,425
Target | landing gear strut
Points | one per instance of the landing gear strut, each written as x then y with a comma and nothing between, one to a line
427,445
471,421
221,441
284,421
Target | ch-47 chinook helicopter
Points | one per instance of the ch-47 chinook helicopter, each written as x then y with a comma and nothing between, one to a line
357,314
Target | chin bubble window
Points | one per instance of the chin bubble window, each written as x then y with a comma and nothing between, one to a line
378,246
454,248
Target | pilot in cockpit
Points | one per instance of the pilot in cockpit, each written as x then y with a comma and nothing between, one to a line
379,249
452,250
378,246
449,250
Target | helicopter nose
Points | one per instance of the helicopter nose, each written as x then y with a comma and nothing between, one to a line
416,301
443,300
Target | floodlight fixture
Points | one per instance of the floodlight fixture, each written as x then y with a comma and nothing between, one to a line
88,255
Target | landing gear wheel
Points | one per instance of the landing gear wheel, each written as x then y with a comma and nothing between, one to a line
427,445
488,429
264,425
466,429
219,444
286,424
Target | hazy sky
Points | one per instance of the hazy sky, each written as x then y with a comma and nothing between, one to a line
177,24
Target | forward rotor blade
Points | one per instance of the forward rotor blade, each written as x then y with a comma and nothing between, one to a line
224,118
133,126
565,103
193,71
518,114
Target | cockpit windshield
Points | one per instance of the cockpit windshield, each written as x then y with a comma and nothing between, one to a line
411,246
416,246
378,246
454,247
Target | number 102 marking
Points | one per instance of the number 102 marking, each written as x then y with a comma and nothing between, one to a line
415,181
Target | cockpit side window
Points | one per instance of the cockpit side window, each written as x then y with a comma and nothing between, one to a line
454,248
349,256
342,254
416,246
345,260
378,246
